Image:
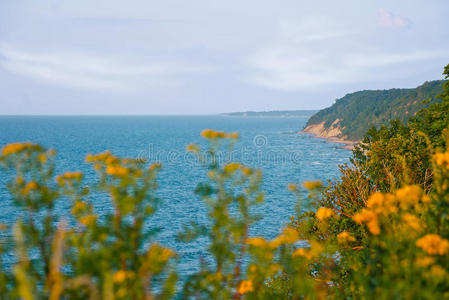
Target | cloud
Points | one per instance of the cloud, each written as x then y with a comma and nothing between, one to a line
388,20
326,56
91,72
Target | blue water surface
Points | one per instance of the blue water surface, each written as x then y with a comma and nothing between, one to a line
269,143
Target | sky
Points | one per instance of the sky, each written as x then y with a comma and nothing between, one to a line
144,57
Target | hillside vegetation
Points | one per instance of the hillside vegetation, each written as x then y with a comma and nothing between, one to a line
351,116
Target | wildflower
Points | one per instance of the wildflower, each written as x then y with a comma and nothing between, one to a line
155,166
288,236
368,217
256,241
315,250
87,220
20,180
409,195
99,157
433,244
16,147
233,135
42,158
78,207
193,148
424,261
381,204
442,158
32,185
245,287
345,237
412,221
166,254
232,167
311,185
117,170
292,187
121,275
438,271
246,171
323,213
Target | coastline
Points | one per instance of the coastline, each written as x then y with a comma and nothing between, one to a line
331,135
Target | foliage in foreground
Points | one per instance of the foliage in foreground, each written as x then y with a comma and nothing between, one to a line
380,232
397,246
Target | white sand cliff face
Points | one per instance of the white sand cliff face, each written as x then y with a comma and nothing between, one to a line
333,133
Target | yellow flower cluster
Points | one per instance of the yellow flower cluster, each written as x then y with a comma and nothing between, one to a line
99,157
245,286
345,237
193,148
16,147
121,275
413,222
442,159
117,170
368,217
288,236
324,213
212,134
69,176
78,207
32,185
433,244
311,185
314,250
379,204
292,187
87,220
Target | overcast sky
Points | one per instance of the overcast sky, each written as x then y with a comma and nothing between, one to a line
207,56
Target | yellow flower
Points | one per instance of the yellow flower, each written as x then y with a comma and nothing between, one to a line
381,204
232,167
20,180
121,275
409,195
233,135
424,261
433,244
99,157
323,213
438,271
368,217
288,236
311,185
117,170
292,187
87,220
245,287
193,148
32,185
16,147
256,241
412,221
42,158
442,158
155,166
345,237
78,207
212,134
315,250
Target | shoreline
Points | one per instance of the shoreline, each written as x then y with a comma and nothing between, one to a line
346,144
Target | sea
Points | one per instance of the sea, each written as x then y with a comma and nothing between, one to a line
271,144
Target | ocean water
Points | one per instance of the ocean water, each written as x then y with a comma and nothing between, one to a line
269,143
